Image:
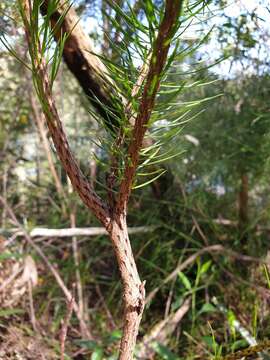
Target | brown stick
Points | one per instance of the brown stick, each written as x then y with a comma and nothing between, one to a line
111,322
77,178
76,257
64,328
133,288
157,63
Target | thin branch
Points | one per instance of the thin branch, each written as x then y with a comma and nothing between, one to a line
40,124
157,64
197,226
70,232
9,280
64,328
77,178
76,257
111,322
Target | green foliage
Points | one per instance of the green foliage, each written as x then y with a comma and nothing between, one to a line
227,124
132,54
164,352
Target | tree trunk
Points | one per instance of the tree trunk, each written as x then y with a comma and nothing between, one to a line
133,288
87,68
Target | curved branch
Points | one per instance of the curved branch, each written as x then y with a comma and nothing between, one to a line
69,163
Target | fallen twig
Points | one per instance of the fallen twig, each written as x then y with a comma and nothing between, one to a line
70,232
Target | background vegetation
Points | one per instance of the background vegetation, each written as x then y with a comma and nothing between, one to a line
206,219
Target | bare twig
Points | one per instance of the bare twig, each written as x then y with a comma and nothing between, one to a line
76,257
170,296
9,280
70,232
197,226
40,124
225,222
64,328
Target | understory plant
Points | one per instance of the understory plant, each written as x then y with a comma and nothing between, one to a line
143,115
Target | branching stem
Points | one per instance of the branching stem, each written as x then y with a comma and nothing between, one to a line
154,75
114,219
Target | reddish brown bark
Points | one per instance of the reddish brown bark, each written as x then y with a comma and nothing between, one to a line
114,219
157,63
90,72
133,288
